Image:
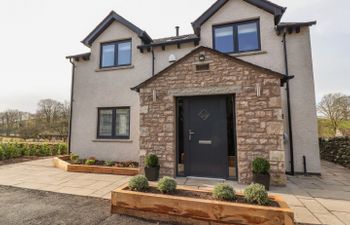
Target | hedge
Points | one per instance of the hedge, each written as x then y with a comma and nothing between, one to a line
16,150
336,150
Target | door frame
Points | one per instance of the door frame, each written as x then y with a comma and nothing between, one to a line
234,136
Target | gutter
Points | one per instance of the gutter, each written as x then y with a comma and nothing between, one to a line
291,145
71,106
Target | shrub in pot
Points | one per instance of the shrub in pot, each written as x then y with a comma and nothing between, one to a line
152,167
261,175
167,185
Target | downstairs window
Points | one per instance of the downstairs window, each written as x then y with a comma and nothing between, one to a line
113,123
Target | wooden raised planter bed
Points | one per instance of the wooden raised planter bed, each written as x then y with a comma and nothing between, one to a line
60,162
187,210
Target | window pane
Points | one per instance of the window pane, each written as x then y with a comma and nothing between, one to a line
105,120
107,55
124,53
224,39
248,37
123,122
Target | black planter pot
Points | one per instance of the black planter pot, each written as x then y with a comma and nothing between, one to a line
152,173
263,179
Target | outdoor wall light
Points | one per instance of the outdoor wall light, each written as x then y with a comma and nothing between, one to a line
172,58
258,90
154,95
201,57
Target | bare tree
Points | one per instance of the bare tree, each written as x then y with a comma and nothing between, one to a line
10,120
61,125
49,111
332,107
346,107
51,119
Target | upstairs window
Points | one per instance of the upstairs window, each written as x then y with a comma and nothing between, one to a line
237,37
115,54
113,123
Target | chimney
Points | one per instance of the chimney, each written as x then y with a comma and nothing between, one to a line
177,31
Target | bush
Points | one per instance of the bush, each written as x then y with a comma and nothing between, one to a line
256,194
2,153
261,166
62,149
167,185
151,160
26,150
74,157
11,151
138,183
336,150
90,162
16,150
109,163
44,150
224,192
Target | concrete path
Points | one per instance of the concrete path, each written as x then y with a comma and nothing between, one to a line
41,175
315,200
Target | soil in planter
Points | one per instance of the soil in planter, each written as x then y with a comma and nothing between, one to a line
204,195
102,163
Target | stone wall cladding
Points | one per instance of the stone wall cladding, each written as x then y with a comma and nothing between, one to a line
259,124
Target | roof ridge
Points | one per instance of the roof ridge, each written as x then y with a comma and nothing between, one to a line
174,37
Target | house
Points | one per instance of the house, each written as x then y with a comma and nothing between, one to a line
207,103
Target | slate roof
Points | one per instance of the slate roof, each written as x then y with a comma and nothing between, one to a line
113,16
268,6
295,24
172,40
85,56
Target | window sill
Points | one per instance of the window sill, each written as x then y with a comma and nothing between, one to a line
114,68
242,54
113,140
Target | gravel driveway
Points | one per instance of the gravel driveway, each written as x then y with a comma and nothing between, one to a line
30,207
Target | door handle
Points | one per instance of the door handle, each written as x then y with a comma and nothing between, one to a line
190,133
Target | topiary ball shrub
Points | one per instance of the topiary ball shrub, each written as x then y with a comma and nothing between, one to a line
261,166
138,183
224,192
151,161
256,194
167,185
74,157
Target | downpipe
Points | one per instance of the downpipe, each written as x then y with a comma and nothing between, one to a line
291,146
71,106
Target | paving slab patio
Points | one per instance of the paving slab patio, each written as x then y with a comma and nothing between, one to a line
315,200
41,175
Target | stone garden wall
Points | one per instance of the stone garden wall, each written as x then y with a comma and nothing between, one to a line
336,150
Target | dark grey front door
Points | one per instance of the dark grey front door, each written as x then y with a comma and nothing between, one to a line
205,136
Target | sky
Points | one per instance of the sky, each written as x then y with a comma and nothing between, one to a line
36,35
